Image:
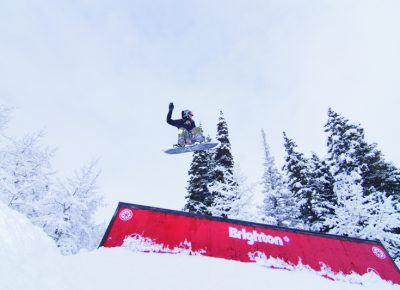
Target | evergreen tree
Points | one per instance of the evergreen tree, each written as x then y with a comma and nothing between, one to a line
297,170
344,144
5,116
198,198
271,179
224,193
69,213
348,151
378,174
25,169
321,184
223,187
223,155
25,174
277,208
242,207
26,184
349,214
383,218
370,216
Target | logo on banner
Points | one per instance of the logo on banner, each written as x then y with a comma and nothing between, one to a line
379,253
254,236
126,215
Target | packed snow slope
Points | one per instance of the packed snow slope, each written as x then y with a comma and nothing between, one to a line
30,260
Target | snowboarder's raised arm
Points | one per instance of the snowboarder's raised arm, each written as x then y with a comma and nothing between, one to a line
175,123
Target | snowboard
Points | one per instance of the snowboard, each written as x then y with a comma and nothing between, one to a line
191,148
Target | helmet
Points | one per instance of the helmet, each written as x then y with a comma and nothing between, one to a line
187,114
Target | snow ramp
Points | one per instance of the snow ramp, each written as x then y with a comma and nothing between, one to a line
167,231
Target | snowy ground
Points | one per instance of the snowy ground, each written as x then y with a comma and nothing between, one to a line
29,260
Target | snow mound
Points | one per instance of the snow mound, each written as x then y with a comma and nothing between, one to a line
26,253
18,237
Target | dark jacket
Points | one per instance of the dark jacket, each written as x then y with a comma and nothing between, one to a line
188,124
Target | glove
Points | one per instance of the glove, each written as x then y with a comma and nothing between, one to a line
171,106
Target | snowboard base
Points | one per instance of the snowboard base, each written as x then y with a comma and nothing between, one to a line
191,148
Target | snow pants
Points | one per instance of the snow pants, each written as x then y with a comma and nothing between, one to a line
186,137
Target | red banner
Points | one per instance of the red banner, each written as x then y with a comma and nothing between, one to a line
161,230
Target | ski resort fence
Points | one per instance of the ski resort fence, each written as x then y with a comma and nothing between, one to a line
167,231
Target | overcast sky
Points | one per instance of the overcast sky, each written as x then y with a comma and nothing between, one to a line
97,77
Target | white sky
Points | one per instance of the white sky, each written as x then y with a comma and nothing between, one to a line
97,77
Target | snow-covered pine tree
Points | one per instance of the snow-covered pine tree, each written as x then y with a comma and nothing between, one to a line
297,171
5,116
277,206
321,184
26,184
344,142
350,214
371,216
243,207
383,218
272,178
25,173
378,174
348,150
223,187
200,176
69,213
381,178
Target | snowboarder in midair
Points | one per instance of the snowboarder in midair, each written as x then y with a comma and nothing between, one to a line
188,133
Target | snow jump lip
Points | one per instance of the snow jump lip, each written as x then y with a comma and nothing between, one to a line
244,241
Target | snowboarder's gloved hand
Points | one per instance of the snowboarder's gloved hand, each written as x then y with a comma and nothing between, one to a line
171,106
